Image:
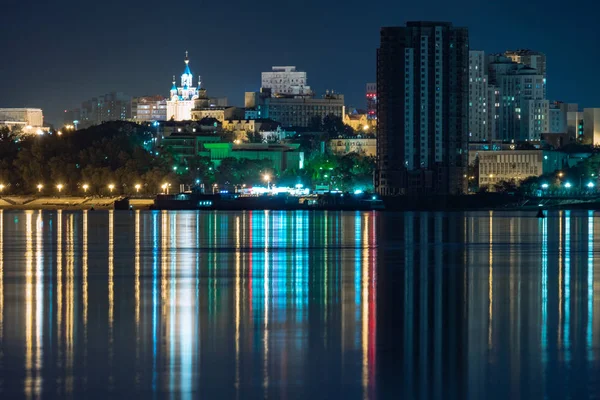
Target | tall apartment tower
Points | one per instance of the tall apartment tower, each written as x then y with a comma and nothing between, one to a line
478,98
422,109
520,106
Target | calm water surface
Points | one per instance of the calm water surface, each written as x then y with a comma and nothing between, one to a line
294,305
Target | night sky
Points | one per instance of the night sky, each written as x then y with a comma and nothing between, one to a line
56,54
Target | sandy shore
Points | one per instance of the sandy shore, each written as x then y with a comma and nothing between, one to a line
67,203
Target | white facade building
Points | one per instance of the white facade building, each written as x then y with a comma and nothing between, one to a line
181,99
478,98
28,120
285,80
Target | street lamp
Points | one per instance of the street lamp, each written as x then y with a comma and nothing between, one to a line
39,187
544,186
165,188
111,187
267,179
590,185
568,185
59,187
85,188
138,187
1,187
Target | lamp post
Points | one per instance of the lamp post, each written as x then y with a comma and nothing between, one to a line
138,187
59,187
85,188
111,187
1,187
165,188
39,187
267,179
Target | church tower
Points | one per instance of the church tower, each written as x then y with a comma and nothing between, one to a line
182,98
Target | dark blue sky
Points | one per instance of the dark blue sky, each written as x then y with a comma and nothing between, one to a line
56,54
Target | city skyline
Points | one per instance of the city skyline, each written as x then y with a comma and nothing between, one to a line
57,70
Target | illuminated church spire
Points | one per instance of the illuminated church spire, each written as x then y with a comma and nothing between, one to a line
186,77
173,88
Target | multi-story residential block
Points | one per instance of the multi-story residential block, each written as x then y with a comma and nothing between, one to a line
114,106
422,109
149,108
519,109
478,98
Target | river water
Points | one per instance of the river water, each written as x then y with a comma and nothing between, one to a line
296,305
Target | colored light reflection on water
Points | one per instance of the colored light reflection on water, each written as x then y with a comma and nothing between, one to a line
298,305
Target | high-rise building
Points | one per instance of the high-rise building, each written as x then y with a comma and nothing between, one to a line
478,98
520,109
422,109
372,100
286,81
149,108
114,106
182,98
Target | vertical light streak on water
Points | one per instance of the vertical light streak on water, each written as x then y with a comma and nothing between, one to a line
185,306
173,314
136,263
28,383
408,300
84,277
59,291
560,280
70,299
438,310
266,306
155,255
111,295
325,269
357,268
39,303
215,245
424,305
590,286
373,306
567,327
365,285
544,332
1,283
491,282
237,300
164,338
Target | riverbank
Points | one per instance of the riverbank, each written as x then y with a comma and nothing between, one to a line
68,203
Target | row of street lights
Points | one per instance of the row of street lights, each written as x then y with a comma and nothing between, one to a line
85,187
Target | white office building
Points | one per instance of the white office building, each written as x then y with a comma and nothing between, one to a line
286,81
